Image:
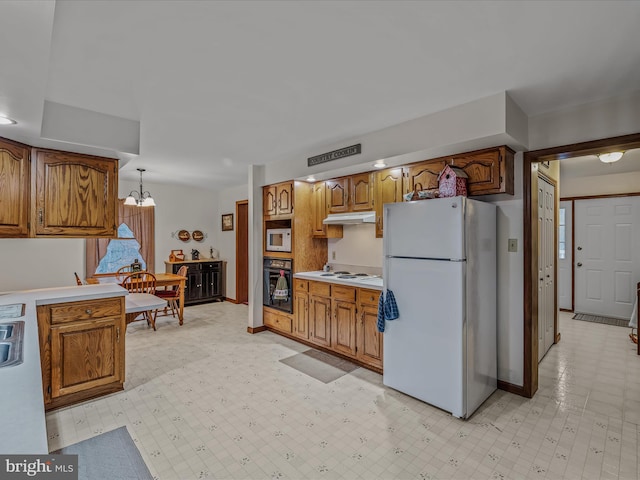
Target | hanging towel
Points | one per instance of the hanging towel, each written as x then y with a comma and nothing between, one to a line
282,288
387,309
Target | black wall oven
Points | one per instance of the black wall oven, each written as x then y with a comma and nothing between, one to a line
278,293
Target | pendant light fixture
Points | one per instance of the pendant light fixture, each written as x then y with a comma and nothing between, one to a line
610,157
141,198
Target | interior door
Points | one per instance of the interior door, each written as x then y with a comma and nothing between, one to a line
546,266
565,256
607,258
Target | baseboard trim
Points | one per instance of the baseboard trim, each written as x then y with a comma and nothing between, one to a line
259,329
511,388
231,300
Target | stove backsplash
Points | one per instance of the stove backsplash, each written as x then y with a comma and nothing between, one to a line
357,251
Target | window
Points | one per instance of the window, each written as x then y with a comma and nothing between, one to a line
136,239
121,252
562,241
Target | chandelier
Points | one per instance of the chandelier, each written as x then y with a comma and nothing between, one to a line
141,198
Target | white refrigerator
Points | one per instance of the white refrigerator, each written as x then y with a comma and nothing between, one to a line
440,264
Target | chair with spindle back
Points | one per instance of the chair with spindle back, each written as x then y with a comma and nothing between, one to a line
173,295
142,282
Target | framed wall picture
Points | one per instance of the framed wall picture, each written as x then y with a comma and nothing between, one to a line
227,222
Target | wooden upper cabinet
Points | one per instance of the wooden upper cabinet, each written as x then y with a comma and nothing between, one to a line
338,195
350,194
388,189
14,189
74,195
490,171
277,200
361,192
319,213
423,175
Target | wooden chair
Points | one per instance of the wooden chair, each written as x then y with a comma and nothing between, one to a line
142,282
172,295
78,281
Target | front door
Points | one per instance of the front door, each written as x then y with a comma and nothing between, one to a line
607,257
546,266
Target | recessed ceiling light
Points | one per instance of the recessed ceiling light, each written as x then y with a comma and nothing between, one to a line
4,120
311,178
379,164
610,157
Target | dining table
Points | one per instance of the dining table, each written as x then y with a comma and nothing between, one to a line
162,280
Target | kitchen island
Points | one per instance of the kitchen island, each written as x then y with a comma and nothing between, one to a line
22,400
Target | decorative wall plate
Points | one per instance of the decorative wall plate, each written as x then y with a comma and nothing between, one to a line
184,235
197,235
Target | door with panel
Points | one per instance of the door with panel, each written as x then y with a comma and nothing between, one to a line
565,256
320,320
14,189
337,195
546,266
388,189
606,255
343,328
360,192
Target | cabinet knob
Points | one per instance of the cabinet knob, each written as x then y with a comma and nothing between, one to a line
88,311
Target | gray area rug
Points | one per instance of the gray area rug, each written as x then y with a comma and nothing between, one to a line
320,365
110,455
585,317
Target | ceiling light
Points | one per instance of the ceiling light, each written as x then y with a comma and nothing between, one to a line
610,157
379,164
4,120
311,178
141,198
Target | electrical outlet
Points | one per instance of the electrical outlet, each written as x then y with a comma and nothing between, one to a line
513,244
333,255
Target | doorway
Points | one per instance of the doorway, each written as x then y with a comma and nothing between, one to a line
531,160
242,252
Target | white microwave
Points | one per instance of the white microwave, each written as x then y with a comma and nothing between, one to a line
278,240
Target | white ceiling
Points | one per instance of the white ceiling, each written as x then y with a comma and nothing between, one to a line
217,85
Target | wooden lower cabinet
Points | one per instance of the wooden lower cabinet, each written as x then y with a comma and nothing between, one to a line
369,340
338,318
277,320
81,350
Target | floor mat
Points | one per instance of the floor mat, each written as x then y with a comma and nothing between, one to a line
585,317
320,365
109,455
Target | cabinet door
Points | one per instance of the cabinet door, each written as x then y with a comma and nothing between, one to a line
388,189
319,210
193,286
14,189
343,328
269,200
85,355
337,193
320,320
285,199
75,195
360,192
490,171
301,314
369,339
424,175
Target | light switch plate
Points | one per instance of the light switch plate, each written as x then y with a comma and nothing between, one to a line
513,244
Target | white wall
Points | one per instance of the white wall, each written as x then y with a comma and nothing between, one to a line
600,185
177,208
226,243
358,246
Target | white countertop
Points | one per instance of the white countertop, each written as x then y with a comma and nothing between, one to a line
24,429
372,282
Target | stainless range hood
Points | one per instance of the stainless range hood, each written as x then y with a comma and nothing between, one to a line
350,218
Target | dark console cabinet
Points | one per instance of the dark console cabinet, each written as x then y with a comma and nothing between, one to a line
205,282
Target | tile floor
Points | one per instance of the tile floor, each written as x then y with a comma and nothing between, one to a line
208,400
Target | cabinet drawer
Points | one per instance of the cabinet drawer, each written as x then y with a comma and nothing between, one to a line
300,285
320,288
369,297
89,310
279,322
211,266
340,292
